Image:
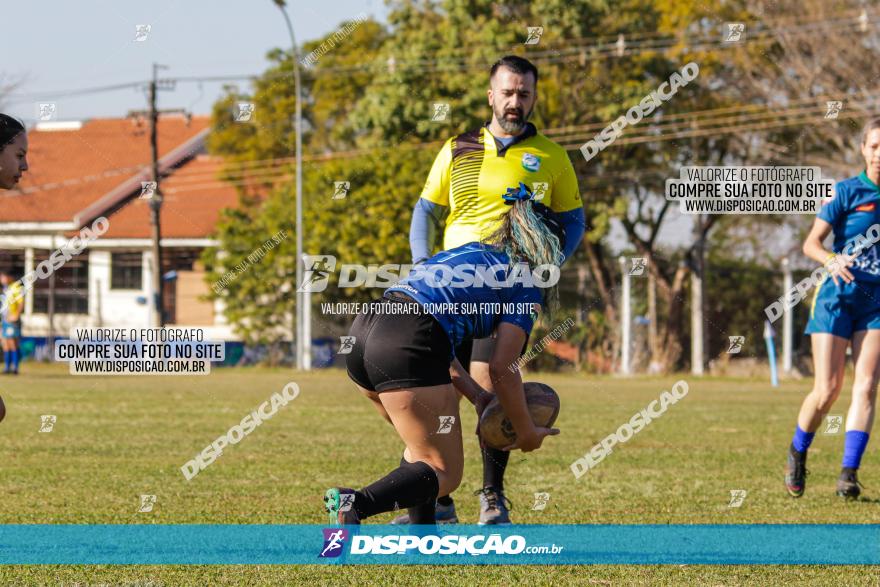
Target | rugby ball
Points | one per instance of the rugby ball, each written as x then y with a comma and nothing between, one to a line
543,403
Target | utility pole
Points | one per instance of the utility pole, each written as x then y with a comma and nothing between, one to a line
303,344
156,204
625,318
50,336
697,299
786,319
157,319
652,317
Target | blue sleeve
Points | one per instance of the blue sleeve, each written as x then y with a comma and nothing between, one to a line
424,227
521,301
574,222
831,211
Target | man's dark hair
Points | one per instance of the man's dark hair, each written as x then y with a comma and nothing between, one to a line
516,65
9,129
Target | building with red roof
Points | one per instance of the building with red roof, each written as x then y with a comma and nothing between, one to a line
82,171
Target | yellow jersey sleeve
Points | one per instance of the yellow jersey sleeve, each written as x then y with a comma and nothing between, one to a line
436,188
566,196
14,294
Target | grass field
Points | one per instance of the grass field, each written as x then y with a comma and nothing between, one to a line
119,437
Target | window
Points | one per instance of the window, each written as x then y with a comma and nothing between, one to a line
12,262
71,286
126,270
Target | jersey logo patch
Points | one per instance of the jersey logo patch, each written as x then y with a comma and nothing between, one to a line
531,162
866,207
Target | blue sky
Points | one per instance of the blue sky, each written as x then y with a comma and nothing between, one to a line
61,45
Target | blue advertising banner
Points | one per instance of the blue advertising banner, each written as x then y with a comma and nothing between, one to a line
452,544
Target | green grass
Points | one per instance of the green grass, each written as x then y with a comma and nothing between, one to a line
119,437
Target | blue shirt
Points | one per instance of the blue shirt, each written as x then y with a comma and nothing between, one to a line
480,283
853,210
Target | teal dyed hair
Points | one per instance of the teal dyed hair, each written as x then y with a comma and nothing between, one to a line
525,237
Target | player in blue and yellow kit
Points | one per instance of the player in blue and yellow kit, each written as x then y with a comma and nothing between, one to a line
845,310
403,357
462,188
10,322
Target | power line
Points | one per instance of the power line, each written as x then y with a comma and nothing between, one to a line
706,122
598,50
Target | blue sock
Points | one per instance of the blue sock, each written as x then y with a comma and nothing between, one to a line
7,358
802,440
16,359
854,447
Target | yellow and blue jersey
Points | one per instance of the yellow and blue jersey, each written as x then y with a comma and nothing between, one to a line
472,170
13,302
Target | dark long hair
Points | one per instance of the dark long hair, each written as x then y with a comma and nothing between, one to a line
10,128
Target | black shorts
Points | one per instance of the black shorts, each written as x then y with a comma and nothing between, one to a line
398,347
480,349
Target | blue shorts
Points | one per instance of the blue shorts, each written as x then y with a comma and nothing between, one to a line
845,308
11,329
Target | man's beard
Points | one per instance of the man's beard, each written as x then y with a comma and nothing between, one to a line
512,126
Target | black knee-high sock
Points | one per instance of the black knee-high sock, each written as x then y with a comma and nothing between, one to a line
423,513
494,464
409,485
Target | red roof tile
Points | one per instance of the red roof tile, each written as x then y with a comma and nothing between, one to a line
192,200
71,169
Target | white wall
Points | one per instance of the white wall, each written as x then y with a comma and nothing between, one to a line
108,308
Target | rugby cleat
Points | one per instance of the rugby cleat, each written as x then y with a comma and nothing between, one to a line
796,472
339,503
848,485
443,514
494,507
